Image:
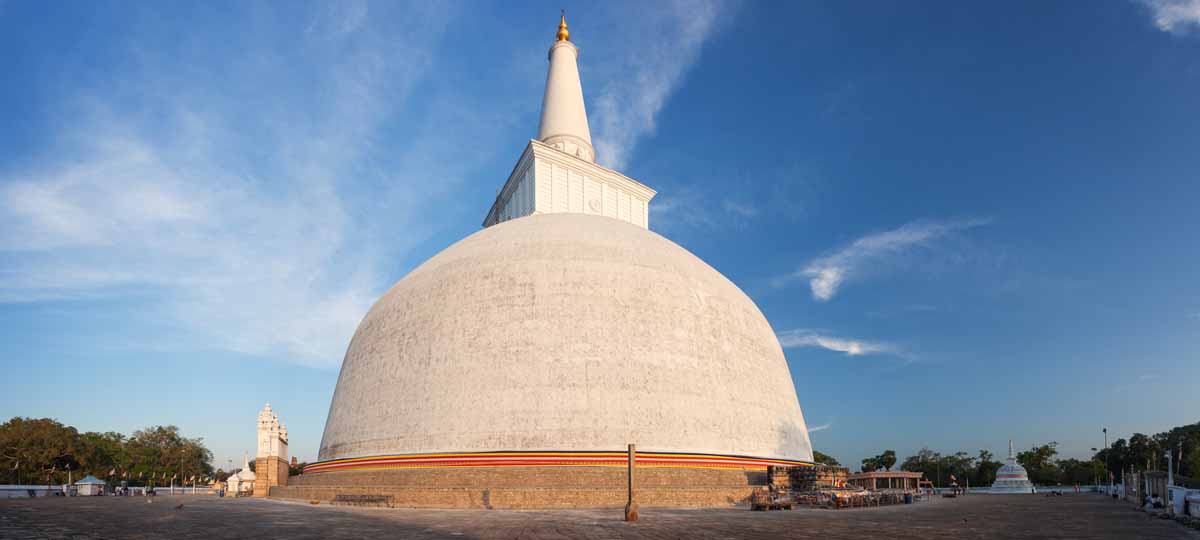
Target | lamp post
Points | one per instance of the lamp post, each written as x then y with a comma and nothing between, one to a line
1107,451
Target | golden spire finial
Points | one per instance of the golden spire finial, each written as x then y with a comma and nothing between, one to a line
563,34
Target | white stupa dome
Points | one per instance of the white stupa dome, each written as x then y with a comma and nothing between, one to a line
1011,477
565,332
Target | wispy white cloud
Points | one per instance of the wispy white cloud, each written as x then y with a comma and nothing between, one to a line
261,213
785,194
802,337
1145,377
682,207
740,208
641,80
1174,16
822,427
827,274
902,310
238,219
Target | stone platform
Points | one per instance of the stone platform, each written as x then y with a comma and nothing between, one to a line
529,487
1001,517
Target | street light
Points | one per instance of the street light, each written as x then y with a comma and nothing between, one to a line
1106,453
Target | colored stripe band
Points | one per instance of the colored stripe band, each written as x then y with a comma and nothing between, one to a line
549,459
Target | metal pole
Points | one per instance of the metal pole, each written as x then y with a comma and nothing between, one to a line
631,507
1107,452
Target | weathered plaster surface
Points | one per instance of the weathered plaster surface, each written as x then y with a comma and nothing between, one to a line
565,332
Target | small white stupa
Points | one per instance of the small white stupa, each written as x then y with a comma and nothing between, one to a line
1012,477
241,483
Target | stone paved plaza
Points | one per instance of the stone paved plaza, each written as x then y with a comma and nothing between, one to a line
1081,516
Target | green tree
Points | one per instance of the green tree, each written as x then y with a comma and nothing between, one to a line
961,465
1144,452
101,453
1074,471
38,450
985,469
1181,442
1192,463
887,459
164,454
1040,464
1116,456
870,464
927,462
825,459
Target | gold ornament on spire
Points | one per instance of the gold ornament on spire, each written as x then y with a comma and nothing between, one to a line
563,34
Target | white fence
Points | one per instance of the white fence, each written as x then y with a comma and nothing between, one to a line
10,491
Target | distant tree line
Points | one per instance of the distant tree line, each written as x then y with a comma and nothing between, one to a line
1148,453
1140,453
980,470
42,451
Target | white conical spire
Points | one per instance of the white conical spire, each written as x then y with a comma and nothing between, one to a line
564,123
1010,452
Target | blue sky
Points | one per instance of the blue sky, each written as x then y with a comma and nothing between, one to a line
966,221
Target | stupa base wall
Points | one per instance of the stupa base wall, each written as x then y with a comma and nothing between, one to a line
526,487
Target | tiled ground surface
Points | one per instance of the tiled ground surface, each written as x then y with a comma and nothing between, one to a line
1081,516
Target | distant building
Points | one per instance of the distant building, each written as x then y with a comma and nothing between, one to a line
89,485
887,480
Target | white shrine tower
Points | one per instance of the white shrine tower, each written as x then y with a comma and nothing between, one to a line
271,461
557,173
